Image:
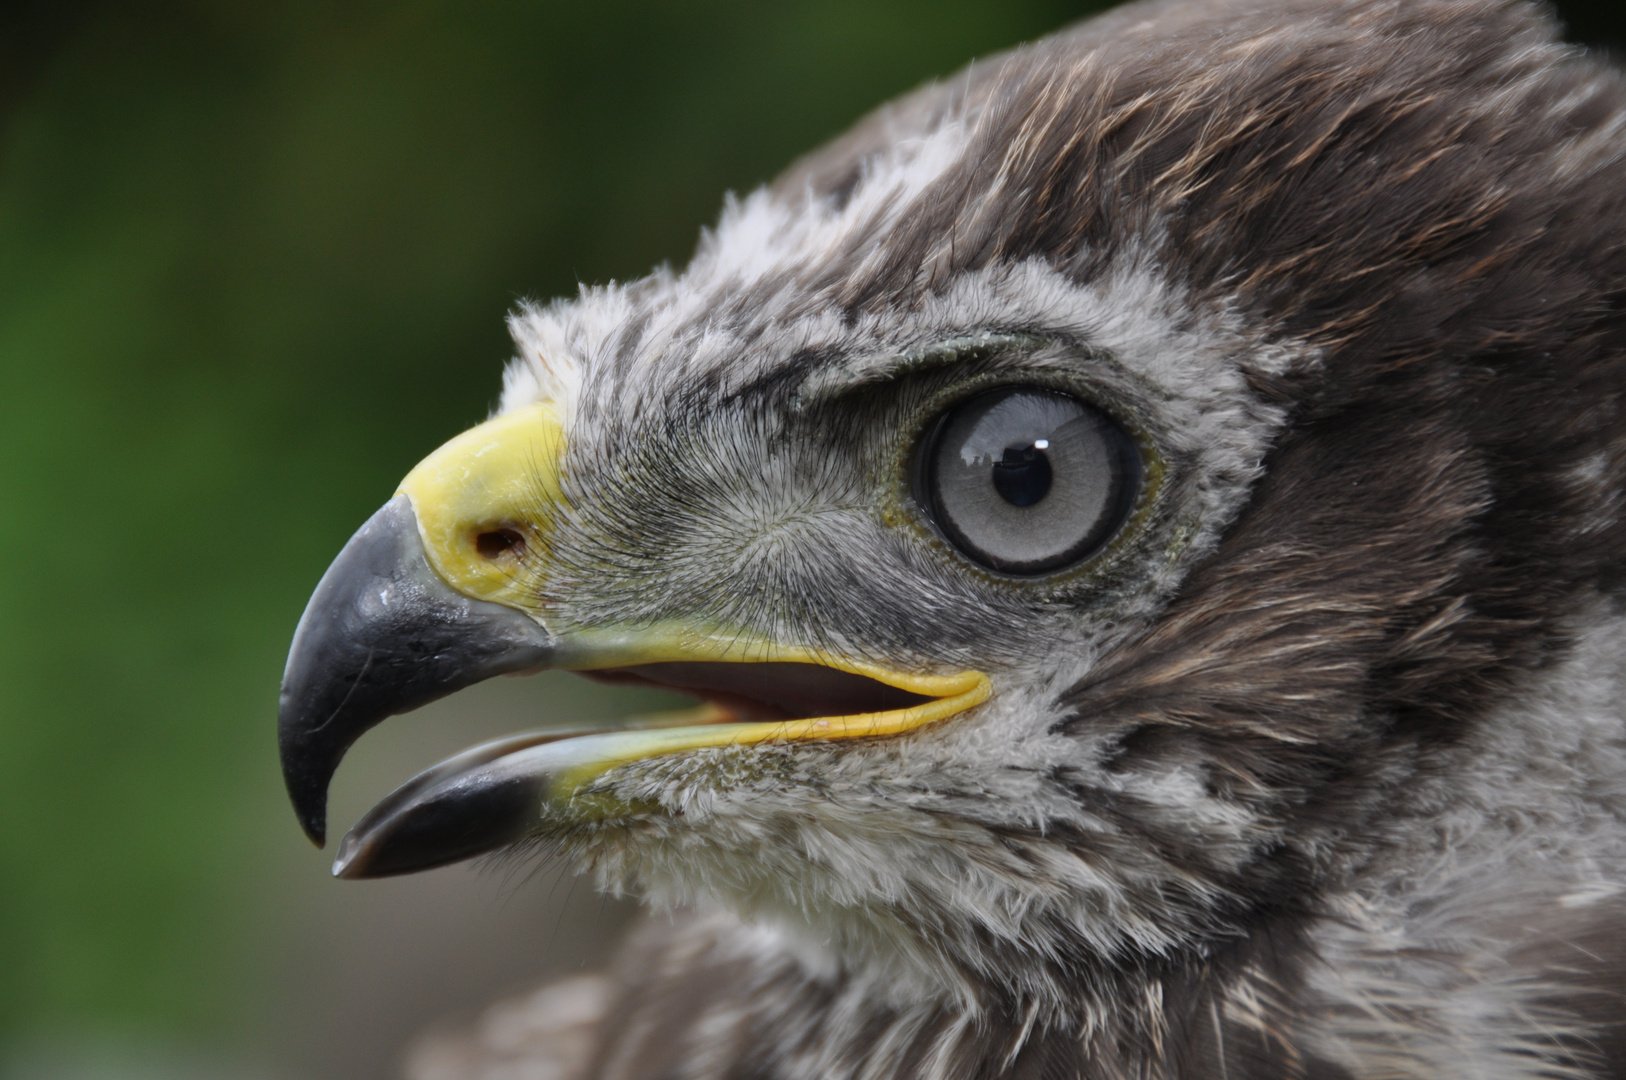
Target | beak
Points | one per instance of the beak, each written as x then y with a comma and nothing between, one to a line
384,634
437,591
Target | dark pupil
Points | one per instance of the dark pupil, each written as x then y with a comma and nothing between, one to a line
1022,476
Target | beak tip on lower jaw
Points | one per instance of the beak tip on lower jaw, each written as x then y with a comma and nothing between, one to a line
354,857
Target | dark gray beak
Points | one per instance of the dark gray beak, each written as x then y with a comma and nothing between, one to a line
384,634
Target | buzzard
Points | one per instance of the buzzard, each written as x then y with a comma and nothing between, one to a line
1143,519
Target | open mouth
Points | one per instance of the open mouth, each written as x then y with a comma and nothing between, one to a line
497,793
768,691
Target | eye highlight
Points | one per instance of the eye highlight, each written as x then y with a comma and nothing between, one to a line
1027,480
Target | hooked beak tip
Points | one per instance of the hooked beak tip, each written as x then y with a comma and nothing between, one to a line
315,828
307,767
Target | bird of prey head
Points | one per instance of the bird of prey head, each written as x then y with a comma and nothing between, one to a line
1143,518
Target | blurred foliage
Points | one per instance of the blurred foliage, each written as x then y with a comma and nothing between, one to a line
254,260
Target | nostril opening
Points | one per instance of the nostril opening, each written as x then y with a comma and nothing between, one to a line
496,543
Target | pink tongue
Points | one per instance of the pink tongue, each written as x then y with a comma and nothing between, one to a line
770,691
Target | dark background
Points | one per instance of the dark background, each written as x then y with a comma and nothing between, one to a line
254,262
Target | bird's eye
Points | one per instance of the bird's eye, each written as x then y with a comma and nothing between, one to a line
1026,480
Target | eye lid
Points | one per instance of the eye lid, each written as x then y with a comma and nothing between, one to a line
994,354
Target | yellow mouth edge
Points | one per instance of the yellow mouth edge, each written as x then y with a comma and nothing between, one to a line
952,694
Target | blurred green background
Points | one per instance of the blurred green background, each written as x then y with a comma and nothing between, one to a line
254,262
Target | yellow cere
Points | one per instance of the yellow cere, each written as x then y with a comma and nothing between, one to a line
493,477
